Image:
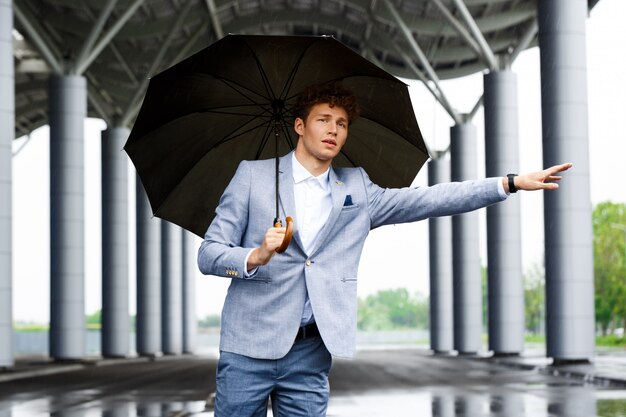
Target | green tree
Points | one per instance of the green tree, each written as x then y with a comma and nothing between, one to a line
212,320
609,221
392,309
94,318
372,315
422,309
485,296
534,298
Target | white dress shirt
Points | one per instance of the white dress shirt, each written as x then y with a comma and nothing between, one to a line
313,202
313,206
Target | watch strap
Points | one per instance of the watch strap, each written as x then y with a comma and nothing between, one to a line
511,177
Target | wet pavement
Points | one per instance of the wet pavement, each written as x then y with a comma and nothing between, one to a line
395,382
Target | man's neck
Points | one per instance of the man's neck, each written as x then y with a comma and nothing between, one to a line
315,166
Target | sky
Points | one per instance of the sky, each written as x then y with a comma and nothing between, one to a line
393,256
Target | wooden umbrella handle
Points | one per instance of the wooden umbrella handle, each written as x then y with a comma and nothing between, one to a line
288,234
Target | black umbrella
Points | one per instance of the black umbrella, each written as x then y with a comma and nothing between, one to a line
233,101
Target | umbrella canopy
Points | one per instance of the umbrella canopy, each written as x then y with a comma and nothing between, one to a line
226,103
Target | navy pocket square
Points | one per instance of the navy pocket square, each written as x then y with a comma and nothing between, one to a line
347,201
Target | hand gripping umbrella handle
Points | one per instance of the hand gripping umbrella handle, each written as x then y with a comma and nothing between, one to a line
288,233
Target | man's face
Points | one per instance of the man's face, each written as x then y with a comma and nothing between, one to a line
325,131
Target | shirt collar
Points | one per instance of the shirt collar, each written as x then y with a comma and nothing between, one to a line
300,173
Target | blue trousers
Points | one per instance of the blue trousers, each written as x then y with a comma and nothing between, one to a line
296,383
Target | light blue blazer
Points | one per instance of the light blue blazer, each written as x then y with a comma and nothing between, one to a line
262,313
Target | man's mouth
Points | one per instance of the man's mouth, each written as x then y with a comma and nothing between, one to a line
330,142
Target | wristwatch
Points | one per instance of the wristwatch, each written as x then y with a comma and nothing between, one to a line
511,178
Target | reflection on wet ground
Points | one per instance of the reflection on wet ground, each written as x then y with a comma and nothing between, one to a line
377,383
422,403
510,404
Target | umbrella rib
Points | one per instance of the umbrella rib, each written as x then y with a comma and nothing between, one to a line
252,119
231,136
291,97
240,90
221,142
217,110
264,141
292,75
266,83
287,137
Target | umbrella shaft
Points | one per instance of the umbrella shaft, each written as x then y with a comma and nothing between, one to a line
276,133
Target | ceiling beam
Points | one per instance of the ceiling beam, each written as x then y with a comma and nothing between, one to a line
80,67
215,20
487,53
422,59
93,34
465,35
436,93
35,33
524,41
135,102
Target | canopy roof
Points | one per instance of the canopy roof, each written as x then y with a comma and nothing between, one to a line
118,44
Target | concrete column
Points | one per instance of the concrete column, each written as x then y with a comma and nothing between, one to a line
440,244
149,409
568,213
504,232
466,257
115,309
572,402
190,265
148,277
469,404
508,404
68,109
7,134
442,405
171,288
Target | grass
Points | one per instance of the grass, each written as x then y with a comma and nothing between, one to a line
611,341
35,327
606,341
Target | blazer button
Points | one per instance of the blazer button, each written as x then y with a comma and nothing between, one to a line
308,262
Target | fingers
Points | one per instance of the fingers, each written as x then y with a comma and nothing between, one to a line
550,186
542,180
549,176
274,237
274,231
559,168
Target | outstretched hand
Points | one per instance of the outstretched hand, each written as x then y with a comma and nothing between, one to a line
540,180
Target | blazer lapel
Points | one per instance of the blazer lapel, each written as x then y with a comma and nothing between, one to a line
338,194
286,196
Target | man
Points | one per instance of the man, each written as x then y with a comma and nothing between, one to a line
286,314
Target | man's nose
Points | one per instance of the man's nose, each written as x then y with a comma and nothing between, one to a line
332,128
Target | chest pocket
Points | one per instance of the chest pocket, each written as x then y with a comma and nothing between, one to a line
349,209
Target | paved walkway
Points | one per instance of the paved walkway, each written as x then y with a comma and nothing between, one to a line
382,382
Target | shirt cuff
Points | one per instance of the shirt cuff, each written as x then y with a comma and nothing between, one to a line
247,273
503,194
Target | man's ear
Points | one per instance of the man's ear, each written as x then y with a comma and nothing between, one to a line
298,126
